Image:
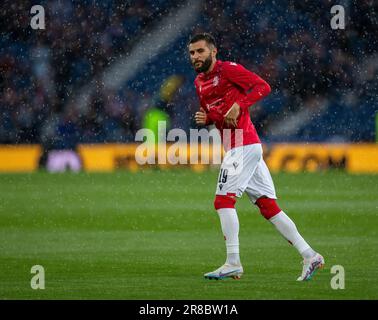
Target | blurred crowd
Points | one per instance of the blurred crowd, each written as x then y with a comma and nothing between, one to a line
292,46
289,43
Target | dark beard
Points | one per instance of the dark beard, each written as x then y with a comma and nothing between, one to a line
205,65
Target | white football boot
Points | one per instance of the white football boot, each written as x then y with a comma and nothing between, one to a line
310,266
225,271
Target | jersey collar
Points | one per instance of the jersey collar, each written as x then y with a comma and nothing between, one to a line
212,72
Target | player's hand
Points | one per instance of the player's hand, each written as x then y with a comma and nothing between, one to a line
231,116
200,117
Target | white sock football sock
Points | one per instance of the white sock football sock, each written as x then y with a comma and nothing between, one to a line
230,228
289,231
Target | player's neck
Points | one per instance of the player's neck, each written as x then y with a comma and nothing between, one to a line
212,66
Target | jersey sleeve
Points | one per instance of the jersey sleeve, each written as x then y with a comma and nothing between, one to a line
255,87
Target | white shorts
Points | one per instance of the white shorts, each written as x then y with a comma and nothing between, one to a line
244,170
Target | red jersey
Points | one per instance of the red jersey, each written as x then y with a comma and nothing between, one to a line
226,84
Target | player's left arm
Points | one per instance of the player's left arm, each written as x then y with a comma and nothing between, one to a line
256,87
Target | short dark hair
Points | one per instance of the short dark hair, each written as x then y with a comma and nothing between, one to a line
203,36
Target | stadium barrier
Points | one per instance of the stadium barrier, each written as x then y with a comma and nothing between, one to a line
19,158
352,158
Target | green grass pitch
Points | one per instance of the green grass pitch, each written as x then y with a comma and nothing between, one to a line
152,235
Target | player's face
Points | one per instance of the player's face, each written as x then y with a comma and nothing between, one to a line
201,56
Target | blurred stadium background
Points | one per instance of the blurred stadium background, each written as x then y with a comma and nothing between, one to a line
96,69
101,70
79,90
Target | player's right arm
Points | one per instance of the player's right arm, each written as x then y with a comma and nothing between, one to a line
201,117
